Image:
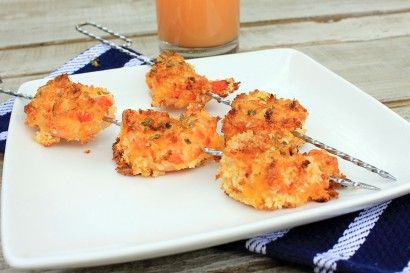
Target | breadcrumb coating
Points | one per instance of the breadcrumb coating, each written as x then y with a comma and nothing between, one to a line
255,173
174,83
64,110
152,143
263,112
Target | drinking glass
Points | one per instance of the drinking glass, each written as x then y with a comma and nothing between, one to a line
198,28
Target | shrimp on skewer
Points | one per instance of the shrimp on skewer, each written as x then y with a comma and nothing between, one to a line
174,83
263,113
255,173
260,111
152,143
64,110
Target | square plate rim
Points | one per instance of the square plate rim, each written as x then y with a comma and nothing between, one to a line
190,242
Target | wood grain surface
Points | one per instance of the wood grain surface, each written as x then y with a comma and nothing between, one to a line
137,18
366,42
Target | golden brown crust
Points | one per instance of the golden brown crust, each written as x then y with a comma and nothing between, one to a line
255,173
152,143
63,110
174,83
260,112
123,167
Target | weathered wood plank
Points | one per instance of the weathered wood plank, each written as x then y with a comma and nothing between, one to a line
403,111
14,84
24,23
43,59
38,60
285,10
346,30
29,21
377,67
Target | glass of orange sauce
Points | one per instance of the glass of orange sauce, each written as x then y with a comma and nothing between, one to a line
198,28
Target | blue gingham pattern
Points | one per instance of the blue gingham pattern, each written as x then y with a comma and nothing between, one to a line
376,239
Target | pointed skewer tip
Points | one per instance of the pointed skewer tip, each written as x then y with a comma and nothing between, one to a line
350,183
388,176
368,187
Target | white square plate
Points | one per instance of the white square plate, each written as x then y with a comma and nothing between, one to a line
62,207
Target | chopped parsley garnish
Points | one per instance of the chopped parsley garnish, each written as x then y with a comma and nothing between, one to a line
251,112
156,136
147,122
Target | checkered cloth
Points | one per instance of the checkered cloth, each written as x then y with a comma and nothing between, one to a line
376,239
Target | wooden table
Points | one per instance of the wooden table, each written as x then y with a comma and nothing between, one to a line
366,42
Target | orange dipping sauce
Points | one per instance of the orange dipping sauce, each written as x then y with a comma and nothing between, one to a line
198,23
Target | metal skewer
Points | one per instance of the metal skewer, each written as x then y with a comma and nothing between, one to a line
345,156
350,183
328,148
338,180
111,120
15,94
219,99
125,48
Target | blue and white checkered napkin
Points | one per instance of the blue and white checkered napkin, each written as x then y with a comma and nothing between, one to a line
376,239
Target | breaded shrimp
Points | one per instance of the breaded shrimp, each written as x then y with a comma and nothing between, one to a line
255,173
260,111
64,110
174,83
152,143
